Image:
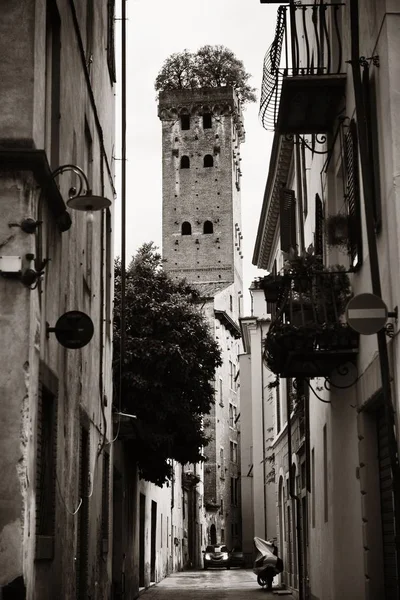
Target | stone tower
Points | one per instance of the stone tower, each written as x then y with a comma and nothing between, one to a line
202,131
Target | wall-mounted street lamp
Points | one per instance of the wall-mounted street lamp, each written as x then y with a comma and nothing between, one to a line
82,198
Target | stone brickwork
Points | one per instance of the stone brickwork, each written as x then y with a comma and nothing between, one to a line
200,194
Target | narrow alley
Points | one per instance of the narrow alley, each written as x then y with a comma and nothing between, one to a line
236,584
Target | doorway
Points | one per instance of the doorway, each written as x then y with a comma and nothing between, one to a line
142,517
118,532
387,508
153,540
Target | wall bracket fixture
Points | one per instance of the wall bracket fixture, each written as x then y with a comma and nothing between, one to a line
73,330
80,198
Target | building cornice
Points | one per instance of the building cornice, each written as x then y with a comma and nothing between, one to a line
279,166
228,323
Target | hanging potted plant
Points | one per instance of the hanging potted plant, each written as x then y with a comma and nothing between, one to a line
338,231
272,286
302,267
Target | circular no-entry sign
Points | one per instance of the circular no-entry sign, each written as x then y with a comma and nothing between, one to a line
366,313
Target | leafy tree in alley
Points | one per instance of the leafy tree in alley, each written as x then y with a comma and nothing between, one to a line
168,368
210,66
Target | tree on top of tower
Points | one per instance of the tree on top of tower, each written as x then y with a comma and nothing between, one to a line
167,371
210,66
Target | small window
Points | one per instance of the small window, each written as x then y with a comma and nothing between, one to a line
185,122
208,227
208,161
186,228
207,121
185,162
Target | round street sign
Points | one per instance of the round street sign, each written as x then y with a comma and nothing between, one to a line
74,329
366,313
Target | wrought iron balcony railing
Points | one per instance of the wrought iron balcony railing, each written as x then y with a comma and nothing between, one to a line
308,336
304,78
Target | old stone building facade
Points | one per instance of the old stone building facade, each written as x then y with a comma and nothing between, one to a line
333,104
57,72
202,131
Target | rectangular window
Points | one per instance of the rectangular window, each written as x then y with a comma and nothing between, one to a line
222,463
231,375
105,521
230,303
325,466
223,536
46,461
207,121
232,415
234,491
185,122
221,394
233,452
111,40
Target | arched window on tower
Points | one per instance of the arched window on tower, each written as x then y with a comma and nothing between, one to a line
185,162
186,228
185,122
208,161
208,227
207,121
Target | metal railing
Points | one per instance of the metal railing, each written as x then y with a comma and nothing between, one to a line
308,42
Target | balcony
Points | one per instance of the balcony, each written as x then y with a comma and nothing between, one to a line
304,80
308,336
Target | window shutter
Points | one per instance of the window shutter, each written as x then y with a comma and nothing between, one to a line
352,192
46,460
271,306
373,143
318,235
287,219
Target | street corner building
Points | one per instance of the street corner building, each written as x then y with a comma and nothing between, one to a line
328,232
56,187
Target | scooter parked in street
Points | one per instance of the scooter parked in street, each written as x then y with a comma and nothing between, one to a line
267,563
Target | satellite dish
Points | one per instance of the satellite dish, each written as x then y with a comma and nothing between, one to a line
74,329
88,202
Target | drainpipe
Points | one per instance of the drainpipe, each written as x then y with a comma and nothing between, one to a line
366,169
297,501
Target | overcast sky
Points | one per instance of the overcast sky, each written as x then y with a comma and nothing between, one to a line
156,29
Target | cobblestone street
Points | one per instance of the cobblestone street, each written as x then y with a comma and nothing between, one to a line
211,585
